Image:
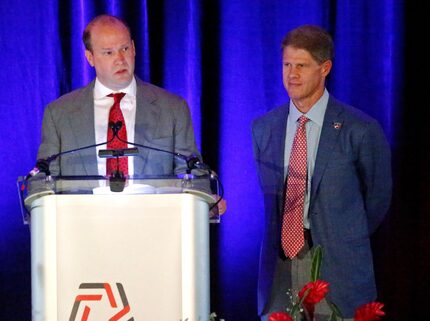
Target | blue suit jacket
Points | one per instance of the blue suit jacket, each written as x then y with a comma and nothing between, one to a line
350,195
162,121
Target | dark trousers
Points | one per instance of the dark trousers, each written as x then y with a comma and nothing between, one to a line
290,276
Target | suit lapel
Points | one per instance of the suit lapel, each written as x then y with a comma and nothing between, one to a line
331,129
82,125
147,121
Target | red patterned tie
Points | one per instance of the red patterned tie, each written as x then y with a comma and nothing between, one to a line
115,115
292,237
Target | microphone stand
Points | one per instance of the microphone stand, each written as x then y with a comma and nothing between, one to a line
117,179
42,165
192,161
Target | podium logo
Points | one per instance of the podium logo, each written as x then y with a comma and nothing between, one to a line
90,297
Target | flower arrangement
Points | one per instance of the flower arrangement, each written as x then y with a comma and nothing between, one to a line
314,292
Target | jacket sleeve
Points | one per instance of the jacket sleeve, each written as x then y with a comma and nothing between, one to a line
184,138
50,143
374,166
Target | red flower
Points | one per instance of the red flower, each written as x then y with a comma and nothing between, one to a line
312,293
280,316
316,292
369,312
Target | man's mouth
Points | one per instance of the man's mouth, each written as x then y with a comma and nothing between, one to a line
121,71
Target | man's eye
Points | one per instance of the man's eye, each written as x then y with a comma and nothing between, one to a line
107,53
125,49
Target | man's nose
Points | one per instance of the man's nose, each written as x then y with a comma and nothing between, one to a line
120,56
293,73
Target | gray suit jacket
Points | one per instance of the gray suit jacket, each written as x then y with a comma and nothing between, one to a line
350,195
163,121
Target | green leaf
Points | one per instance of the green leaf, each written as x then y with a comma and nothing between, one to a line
335,311
295,309
333,317
317,257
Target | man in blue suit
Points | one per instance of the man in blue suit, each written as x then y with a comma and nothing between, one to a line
348,184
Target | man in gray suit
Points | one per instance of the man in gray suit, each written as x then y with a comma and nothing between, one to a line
347,183
153,117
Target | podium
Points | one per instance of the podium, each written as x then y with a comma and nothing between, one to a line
142,254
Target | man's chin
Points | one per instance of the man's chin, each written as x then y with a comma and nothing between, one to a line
122,82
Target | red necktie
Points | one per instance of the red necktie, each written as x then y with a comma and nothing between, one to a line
292,237
115,115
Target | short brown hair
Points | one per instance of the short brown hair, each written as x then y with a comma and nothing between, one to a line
313,39
102,19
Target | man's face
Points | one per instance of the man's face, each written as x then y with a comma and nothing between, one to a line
303,77
112,55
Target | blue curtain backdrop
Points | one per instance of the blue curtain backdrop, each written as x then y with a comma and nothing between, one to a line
224,58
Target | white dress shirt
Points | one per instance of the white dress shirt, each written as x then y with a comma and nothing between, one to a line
313,133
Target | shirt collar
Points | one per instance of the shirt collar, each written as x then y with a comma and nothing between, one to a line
316,113
101,91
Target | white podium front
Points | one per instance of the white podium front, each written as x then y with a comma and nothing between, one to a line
120,257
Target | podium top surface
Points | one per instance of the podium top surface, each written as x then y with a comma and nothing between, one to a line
204,186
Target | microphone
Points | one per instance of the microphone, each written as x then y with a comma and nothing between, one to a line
42,164
192,161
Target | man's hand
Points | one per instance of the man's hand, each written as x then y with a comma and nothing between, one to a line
220,208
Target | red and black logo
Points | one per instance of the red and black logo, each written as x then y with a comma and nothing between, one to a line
91,297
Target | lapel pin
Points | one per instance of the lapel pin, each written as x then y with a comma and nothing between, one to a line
337,125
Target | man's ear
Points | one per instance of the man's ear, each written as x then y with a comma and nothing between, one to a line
326,67
90,58
133,47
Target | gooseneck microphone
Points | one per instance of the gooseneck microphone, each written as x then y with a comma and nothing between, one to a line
42,164
192,161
